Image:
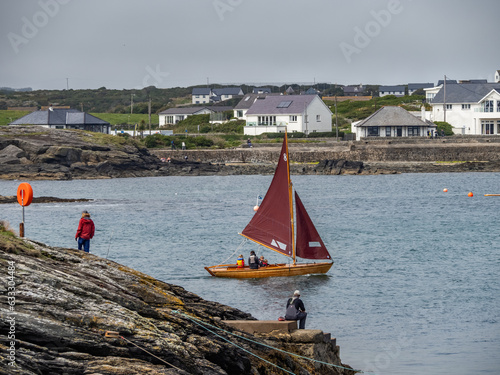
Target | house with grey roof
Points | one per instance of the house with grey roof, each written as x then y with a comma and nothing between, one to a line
202,95
64,118
246,102
412,87
391,121
291,113
470,108
353,90
261,90
398,90
172,116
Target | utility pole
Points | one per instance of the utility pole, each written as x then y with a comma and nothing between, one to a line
131,103
444,98
336,118
67,84
149,115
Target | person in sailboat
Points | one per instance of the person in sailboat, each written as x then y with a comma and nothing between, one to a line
240,262
253,261
295,310
263,262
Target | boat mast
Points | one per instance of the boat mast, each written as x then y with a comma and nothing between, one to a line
290,196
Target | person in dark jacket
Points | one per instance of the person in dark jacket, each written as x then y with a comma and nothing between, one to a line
253,261
85,232
295,310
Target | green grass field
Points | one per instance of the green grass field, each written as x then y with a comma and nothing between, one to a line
7,117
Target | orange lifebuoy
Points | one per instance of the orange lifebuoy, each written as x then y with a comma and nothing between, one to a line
24,194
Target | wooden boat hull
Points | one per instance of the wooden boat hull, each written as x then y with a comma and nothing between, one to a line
273,270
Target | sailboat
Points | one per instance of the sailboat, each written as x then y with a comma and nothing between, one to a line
273,227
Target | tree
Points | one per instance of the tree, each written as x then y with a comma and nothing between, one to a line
441,125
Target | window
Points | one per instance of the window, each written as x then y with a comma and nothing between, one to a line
197,102
498,105
465,106
449,106
487,127
373,131
413,131
293,118
239,113
170,120
266,120
318,118
196,96
284,104
387,131
488,105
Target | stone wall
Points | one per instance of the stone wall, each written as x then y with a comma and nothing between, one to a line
367,151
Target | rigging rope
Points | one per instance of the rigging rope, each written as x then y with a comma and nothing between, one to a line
196,320
235,251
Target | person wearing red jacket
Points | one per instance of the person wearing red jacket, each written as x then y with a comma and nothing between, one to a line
85,232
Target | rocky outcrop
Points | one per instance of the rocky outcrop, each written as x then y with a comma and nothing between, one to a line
59,305
35,153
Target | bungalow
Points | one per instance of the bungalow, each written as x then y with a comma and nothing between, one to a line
398,90
293,113
391,121
412,87
471,108
172,116
64,118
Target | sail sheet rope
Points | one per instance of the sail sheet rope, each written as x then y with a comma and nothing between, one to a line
235,251
204,324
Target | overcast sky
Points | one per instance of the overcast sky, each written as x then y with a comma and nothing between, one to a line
55,44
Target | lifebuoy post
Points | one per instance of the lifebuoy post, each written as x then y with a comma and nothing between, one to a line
24,198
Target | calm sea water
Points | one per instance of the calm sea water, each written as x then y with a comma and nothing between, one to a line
414,289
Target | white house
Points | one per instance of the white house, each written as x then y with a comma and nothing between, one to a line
398,90
174,115
240,110
471,108
392,121
202,95
295,113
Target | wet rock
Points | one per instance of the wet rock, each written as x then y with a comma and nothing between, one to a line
67,300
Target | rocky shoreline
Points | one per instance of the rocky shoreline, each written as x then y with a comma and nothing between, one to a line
66,302
36,153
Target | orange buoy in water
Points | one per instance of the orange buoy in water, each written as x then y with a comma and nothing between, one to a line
470,194
256,208
445,190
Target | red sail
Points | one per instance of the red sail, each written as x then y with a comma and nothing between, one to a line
271,224
309,243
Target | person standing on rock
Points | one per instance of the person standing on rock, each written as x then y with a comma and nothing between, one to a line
85,232
295,310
